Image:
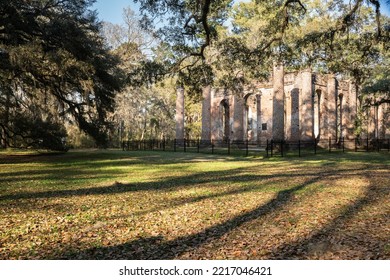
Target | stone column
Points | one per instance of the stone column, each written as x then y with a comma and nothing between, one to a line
287,121
381,121
341,117
376,120
278,103
214,111
259,120
206,113
324,115
351,112
385,120
295,117
332,106
306,106
180,113
238,123
317,112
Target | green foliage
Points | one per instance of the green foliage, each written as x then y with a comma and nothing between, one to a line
36,133
190,27
52,53
376,90
77,139
329,36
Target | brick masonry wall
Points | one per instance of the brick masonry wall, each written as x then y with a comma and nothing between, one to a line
179,113
293,106
278,104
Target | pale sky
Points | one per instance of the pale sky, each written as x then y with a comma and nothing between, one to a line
111,10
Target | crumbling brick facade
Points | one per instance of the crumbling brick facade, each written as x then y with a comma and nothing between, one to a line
295,106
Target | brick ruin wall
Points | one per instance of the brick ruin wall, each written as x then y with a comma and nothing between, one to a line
293,106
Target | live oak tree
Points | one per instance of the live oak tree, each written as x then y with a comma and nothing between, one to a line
54,66
345,38
376,90
359,53
187,29
202,47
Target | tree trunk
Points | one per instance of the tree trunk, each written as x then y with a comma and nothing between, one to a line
7,108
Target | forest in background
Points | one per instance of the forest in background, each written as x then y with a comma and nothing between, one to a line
70,80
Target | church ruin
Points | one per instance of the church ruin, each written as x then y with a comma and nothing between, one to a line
290,106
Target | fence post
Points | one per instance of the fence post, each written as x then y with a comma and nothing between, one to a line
266,148
281,148
299,147
355,144
330,144
377,144
315,146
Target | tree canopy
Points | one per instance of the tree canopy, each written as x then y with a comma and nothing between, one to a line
54,65
230,44
212,37
59,64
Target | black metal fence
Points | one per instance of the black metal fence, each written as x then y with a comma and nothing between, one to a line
269,148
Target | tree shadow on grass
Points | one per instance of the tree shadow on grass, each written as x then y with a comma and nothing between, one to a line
338,240
96,157
158,248
30,158
170,184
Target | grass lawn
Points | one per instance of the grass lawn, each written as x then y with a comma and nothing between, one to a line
155,205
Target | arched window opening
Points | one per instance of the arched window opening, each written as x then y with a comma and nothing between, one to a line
251,116
317,113
340,117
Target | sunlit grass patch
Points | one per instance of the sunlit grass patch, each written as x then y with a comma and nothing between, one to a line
154,205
